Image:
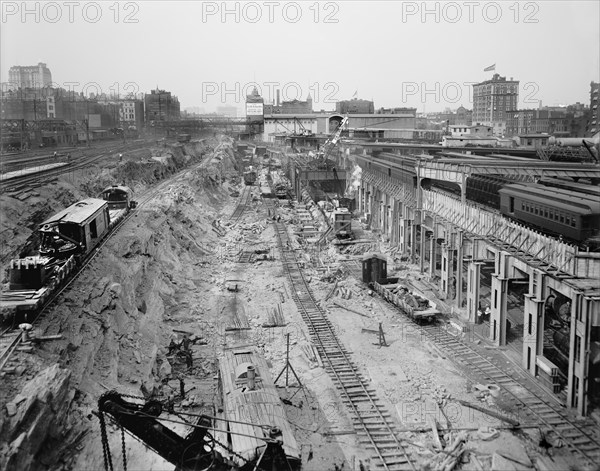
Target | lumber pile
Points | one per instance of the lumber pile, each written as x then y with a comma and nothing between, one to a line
450,457
275,318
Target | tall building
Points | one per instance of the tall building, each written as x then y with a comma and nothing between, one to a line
160,105
594,125
31,76
492,99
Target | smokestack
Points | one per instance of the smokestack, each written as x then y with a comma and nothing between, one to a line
251,375
277,97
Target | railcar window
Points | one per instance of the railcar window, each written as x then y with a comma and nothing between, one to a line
573,222
536,210
562,218
545,213
93,229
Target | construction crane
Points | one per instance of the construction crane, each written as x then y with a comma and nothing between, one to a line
332,141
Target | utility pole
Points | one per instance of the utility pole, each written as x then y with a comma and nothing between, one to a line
87,122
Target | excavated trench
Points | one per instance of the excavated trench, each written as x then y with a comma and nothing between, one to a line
151,277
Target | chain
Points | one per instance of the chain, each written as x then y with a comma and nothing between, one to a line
225,447
123,446
105,448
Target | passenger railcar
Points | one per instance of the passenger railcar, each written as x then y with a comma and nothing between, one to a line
573,215
249,400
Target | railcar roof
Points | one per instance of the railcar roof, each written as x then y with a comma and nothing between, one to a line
78,212
572,200
260,406
573,186
124,189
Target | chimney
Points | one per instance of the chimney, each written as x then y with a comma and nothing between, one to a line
251,375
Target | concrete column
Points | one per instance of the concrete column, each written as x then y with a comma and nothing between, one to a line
473,287
394,221
583,310
403,228
459,268
390,212
432,256
499,305
422,249
533,332
384,214
359,194
413,242
447,269
534,320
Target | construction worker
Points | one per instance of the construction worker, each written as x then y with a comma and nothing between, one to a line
181,388
188,359
185,343
173,346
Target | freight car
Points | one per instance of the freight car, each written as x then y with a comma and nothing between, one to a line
342,224
250,176
405,298
67,239
574,216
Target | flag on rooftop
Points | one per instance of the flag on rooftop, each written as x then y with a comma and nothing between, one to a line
490,68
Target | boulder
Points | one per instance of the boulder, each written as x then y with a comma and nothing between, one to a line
35,414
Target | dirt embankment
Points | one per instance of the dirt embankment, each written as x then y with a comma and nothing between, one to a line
113,319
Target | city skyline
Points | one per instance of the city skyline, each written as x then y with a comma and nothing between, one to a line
396,54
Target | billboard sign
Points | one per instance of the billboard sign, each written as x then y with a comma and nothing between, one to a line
254,109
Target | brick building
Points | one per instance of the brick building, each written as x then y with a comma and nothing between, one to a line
160,105
492,99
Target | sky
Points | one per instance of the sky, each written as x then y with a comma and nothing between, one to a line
396,53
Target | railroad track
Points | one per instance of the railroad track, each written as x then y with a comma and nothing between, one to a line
11,337
26,180
371,420
581,435
242,204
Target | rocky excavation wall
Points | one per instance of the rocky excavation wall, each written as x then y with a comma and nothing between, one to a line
112,320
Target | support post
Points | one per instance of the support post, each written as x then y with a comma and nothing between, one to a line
473,295
459,268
